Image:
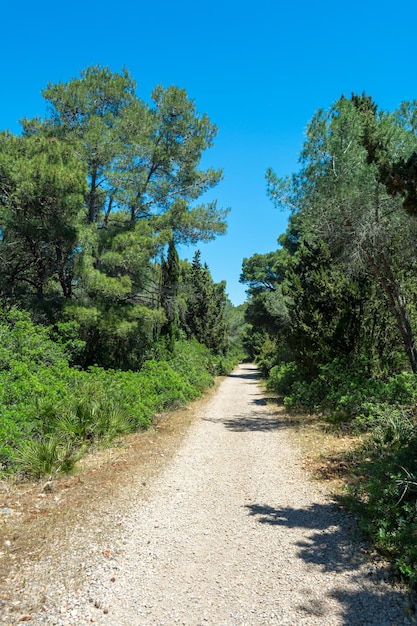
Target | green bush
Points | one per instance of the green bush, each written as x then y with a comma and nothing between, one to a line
401,389
282,378
386,496
308,396
347,390
390,429
267,357
34,374
194,363
51,413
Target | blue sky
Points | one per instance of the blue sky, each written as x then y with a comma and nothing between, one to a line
259,70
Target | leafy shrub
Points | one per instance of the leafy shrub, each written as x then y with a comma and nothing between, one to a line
223,365
23,341
391,429
267,357
51,413
307,396
348,390
386,496
67,335
168,388
282,377
401,388
34,374
194,363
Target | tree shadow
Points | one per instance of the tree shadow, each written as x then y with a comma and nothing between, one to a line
255,422
251,422
248,373
335,546
259,401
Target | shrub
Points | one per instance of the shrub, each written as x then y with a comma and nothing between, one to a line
47,456
282,377
385,499
391,429
307,396
267,357
194,362
51,413
401,388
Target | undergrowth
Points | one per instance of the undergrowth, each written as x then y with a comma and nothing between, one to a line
52,413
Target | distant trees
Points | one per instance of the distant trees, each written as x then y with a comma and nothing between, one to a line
205,317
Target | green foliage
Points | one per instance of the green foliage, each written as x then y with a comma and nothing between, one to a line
51,413
282,378
266,312
338,200
236,328
91,195
42,182
390,429
401,388
268,355
385,497
263,272
31,366
344,389
324,308
194,363
46,457
252,340
67,335
205,318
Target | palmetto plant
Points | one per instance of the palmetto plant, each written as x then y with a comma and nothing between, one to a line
48,456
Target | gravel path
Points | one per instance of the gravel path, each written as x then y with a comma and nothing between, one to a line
231,532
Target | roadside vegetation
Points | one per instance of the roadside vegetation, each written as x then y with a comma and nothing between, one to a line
53,413
332,312
102,325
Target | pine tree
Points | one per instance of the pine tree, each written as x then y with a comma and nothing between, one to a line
206,306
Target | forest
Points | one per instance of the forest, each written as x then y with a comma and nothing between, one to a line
332,311
103,326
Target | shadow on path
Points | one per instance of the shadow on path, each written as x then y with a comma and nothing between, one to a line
254,421
259,402
248,373
334,547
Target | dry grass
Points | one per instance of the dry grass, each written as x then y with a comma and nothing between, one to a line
329,452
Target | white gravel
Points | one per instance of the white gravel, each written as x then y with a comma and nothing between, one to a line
232,532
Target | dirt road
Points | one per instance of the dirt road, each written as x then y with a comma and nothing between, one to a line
231,532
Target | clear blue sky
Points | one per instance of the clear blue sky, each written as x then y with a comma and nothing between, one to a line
259,70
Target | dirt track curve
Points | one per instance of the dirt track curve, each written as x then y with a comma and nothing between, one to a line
231,532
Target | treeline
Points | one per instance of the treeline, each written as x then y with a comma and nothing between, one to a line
333,310
94,200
